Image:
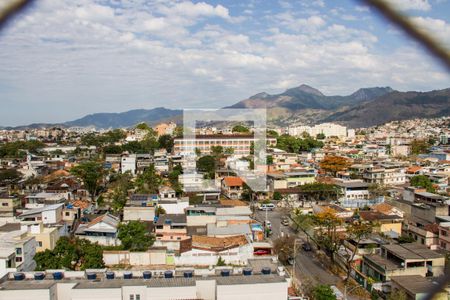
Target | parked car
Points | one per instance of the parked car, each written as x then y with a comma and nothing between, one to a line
306,247
267,206
285,221
261,252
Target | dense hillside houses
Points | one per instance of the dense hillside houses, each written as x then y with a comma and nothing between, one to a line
131,212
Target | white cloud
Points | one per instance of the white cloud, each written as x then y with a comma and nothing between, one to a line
142,53
421,5
437,28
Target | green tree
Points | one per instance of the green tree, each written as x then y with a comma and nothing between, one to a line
419,147
220,262
134,236
320,136
143,126
277,196
148,181
229,151
207,164
423,182
91,173
19,148
166,141
240,129
272,133
323,292
269,159
397,295
9,176
71,254
160,211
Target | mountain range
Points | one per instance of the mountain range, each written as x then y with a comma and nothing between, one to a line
301,105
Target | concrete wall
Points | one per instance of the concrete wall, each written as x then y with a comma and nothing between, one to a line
269,291
97,294
139,213
134,258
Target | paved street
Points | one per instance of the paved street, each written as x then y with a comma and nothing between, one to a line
307,265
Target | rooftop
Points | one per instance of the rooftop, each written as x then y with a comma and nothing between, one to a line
415,284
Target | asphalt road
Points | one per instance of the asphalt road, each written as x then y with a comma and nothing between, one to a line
308,266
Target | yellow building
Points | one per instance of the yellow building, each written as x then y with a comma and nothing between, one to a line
46,237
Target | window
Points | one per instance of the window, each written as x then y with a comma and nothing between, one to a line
40,243
18,251
131,297
18,259
4,203
138,297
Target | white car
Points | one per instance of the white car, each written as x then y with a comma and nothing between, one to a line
267,206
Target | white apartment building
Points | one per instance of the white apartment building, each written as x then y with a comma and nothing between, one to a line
162,285
128,163
328,129
385,176
240,144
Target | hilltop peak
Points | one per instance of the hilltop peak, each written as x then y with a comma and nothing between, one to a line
306,89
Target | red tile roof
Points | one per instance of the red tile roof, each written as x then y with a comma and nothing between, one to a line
233,181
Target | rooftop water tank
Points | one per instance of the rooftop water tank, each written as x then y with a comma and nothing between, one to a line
109,275
265,271
91,276
247,271
58,275
225,273
39,276
188,274
127,275
147,274
19,276
168,274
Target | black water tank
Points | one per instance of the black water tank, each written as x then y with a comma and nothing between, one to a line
147,274
19,276
247,271
58,275
265,271
91,276
109,275
225,273
39,276
127,275
168,274
188,274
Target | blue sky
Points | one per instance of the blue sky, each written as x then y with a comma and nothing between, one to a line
64,59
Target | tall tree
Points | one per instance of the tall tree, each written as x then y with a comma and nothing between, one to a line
356,231
327,236
91,173
423,182
333,164
134,236
148,181
323,292
166,141
419,147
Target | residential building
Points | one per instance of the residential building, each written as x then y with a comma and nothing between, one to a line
240,144
232,187
45,236
171,231
128,164
211,286
444,235
8,205
417,287
403,259
102,230
17,249
51,214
